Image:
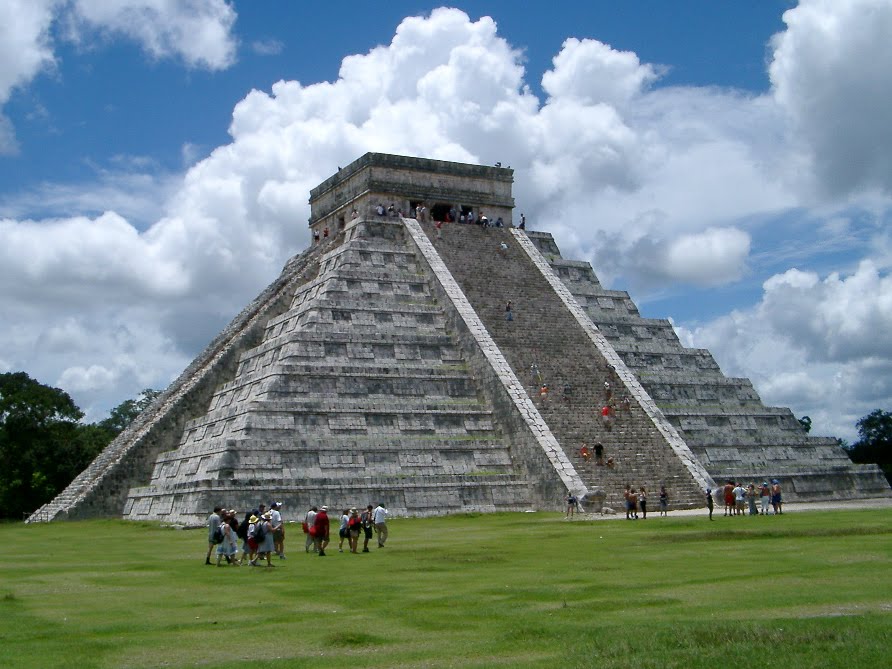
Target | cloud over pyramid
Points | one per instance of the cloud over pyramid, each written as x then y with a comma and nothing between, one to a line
384,365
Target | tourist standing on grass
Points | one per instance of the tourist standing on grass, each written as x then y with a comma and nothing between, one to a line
320,524
252,540
354,527
776,498
278,529
739,499
267,544
728,495
751,499
380,519
664,501
310,520
627,493
709,503
227,548
571,504
642,502
765,497
368,525
633,504
342,529
214,521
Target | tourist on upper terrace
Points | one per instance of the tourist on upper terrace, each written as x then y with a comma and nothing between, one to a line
776,498
379,209
379,516
664,501
315,236
391,210
523,222
439,226
214,521
321,528
500,223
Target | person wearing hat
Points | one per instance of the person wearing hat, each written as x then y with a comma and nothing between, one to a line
320,523
278,529
252,541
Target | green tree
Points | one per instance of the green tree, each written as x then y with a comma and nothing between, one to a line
875,443
124,414
42,444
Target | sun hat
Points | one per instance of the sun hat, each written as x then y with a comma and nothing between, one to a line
253,519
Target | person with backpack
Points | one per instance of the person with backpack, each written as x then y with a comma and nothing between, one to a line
367,527
242,533
228,547
263,537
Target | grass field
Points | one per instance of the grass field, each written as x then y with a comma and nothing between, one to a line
809,589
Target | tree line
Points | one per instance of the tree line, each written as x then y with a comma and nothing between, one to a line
44,444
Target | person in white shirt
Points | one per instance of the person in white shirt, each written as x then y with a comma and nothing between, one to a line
278,529
379,516
310,520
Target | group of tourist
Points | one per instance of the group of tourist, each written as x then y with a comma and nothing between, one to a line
636,500
739,498
261,533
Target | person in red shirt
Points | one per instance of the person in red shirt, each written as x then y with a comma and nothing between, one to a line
321,526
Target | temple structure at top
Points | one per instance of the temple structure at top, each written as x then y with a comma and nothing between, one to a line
442,367
402,185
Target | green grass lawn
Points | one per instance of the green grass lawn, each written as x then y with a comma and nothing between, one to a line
811,589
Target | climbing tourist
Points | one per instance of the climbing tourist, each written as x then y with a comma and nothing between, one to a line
321,528
642,502
664,501
278,529
543,395
380,519
567,394
503,249
509,313
599,454
214,538
605,417
709,502
585,452
367,527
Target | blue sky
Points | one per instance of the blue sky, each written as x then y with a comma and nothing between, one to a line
727,163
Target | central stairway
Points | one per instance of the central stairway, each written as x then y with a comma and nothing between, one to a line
545,336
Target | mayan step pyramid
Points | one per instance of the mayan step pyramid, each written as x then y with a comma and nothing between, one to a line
381,367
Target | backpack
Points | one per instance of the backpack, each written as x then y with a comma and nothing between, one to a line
259,532
242,531
218,535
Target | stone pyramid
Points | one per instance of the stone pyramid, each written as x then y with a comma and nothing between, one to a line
380,366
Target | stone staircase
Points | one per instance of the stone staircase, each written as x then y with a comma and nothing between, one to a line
101,489
544,334
357,393
722,419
